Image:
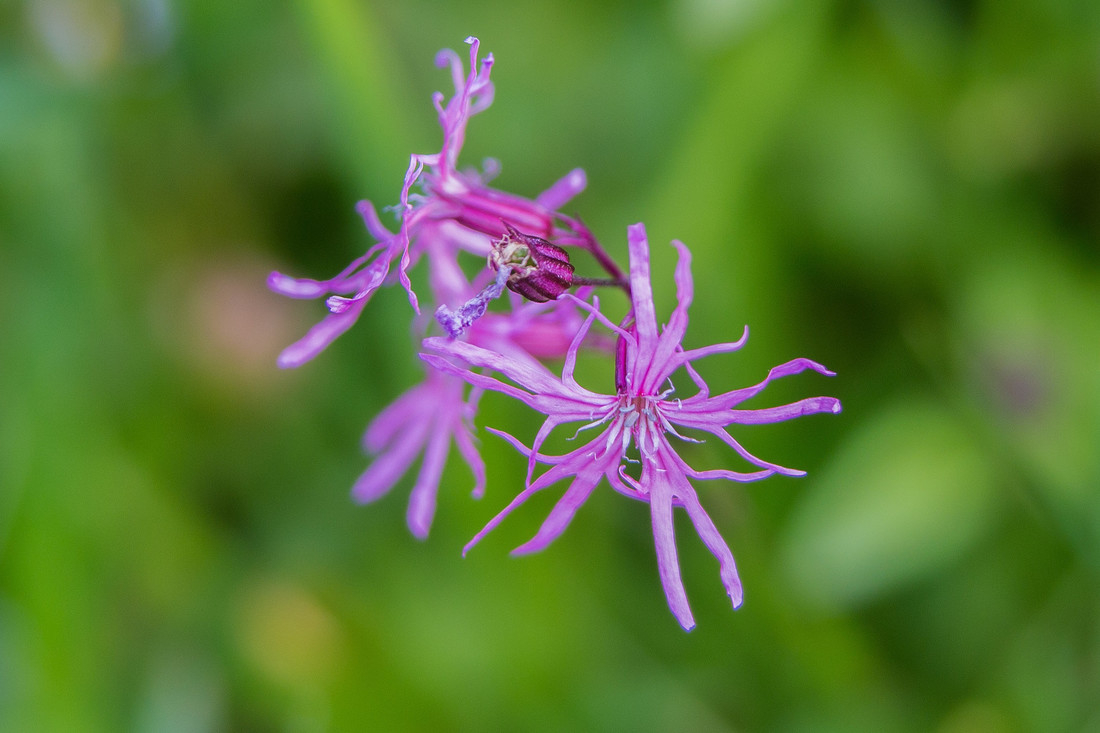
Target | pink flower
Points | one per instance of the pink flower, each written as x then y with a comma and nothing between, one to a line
456,211
642,412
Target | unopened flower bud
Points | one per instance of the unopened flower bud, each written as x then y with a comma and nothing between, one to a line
540,270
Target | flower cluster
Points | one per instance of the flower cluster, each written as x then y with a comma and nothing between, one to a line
549,315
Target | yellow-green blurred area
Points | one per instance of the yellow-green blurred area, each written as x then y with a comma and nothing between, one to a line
907,192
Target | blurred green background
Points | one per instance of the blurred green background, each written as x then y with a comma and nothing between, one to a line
908,192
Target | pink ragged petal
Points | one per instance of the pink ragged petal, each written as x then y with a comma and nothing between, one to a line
482,91
447,57
808,406
473,93
513,505
645,317
403,278
296,287
422,500
562,513
569,465
672,458
594,309
473,459
547,427
700,383
374,224
722,473
391,464
412,174
386,424
574,347
715,426
303,287
518,445
664,539
704,526
690,355
665,357
623,483
474,43
563,190
479,380
529,374
736,397
319,337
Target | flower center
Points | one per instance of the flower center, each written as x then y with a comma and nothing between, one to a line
510,253
641,417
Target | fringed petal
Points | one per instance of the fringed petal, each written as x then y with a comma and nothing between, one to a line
320,336
391,464
736,397
641,293
808,406
684,357
385,425
563,512
473,459
664,539
704,526
663,361
563,190
422,500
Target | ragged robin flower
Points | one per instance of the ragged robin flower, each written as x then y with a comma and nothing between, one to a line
442,211
453,211
643,413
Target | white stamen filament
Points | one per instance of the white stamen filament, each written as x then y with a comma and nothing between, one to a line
643,420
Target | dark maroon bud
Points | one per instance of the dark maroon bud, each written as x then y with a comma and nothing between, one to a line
540,270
